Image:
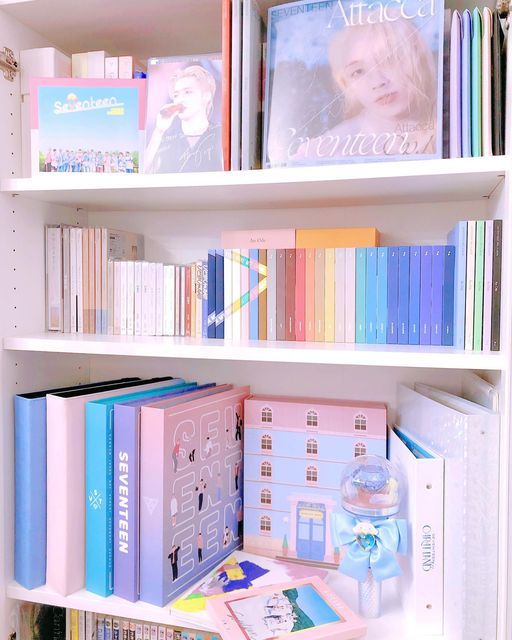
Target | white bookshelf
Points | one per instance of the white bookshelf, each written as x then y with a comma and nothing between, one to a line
181,216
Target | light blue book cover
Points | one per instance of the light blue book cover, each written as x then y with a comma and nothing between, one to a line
458,237
382,294
253,287
414,295
361,295
371,295
403,295
326,105
436,305
392,330
448,295
425,294
99,446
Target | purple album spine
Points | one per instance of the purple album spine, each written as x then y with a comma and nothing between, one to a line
403,295
425,294
436,308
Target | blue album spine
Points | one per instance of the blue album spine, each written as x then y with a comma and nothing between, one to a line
448,295
371,295
403,295
219,293
253,297
212,299
436,308
204,298
458,237
361,295
30,491
392,331
425,294
99,444
382,294
414,295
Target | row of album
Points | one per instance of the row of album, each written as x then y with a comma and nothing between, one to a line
133,487
314,285
430,84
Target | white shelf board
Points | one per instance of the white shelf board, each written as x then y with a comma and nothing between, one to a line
453,179
258,351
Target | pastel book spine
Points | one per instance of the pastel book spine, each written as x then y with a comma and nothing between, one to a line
65,571
259,239
350,295
192,452
496,285
448,295
192,268
436,304
188,301
455,87
99,445
205,302
300,295
199,298
466,83
228,298
479,285
290,278
339,302
486,82
425,294
30,491
330,327
244,283
361,295
127,489
281,294
263,295
310,295
272,294
392,330
458,238
489,237
236,293
319,295
341,237
177,300
212,302
371,295
254,289
476,83
470,284
414,295
382,294
403,295
219,293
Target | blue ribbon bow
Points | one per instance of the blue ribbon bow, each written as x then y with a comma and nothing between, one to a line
364,552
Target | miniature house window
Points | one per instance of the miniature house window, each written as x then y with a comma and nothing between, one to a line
266,442
265,524
312,447
359,449
360,422
266,415
266,470
312,419
311,474
266,496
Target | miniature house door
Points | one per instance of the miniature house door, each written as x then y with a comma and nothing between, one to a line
311,531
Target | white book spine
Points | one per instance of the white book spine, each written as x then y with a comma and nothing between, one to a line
154,632
182,300
66,279
489,239
470,284
124,294
145,299
235,296
199,298
172,300
350,295
81,625
138,631
73,287
192,300
104,279
159,301
169,634
110,298
54,320
130,298
177,305
152,298
339,295
137,328
146,632
228,297
161,633
112,67
79,282
117,298
167,307
97,277
90,625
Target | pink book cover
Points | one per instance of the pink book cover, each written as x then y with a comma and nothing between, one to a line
310,295
306,607
290,295
65,571
259,239
300,294
87,125
244,285
191,489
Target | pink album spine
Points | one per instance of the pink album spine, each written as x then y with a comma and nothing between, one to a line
300,294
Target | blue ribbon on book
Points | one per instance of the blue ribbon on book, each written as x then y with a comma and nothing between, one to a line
369,545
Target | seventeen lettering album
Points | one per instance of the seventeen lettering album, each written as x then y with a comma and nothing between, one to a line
351,81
